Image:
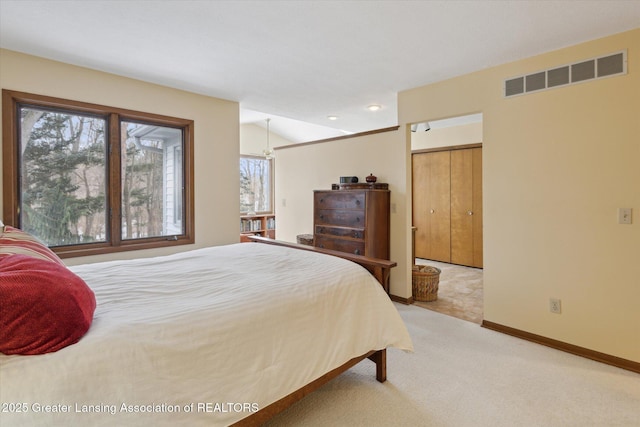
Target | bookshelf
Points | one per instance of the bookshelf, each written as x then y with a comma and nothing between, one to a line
257,225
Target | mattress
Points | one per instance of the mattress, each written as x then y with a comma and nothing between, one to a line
204,337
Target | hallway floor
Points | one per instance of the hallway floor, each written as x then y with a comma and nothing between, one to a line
459,291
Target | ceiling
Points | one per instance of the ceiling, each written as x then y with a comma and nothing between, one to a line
299,62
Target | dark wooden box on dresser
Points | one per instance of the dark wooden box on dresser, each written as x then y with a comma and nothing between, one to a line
353,218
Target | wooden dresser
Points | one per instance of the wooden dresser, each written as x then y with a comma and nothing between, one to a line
353,218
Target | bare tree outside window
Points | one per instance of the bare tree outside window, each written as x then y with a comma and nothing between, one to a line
256,185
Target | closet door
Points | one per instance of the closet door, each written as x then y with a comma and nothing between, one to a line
466,207
478,237
431,205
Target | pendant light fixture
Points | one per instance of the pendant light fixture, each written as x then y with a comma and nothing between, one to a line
268,152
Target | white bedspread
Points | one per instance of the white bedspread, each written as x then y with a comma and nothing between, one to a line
204,337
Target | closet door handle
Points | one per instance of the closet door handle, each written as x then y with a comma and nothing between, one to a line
432,211
469,212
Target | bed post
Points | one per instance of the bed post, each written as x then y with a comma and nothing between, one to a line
380,359
264,414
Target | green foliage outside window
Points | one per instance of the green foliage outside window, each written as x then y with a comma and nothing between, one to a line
62,176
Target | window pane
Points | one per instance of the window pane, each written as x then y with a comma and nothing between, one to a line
255,185
152,181
62,176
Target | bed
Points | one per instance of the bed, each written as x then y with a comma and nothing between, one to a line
215,336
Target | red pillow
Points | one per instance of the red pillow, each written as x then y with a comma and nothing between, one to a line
43,306
15,241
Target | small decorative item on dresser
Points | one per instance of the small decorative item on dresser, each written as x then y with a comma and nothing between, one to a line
371,178
348,179
425,282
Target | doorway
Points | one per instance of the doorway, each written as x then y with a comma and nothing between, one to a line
460,291
447,211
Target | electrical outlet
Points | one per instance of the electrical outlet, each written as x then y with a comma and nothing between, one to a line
555,305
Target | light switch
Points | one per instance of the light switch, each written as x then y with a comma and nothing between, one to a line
624,215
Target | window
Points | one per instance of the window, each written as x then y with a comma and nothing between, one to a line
256,185
88,179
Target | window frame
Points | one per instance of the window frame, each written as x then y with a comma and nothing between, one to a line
271,184
13,100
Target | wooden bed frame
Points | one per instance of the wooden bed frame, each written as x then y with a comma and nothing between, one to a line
380,269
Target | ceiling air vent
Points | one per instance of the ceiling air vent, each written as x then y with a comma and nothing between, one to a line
536,81
612,65
514,86
558,76
589,69
583,71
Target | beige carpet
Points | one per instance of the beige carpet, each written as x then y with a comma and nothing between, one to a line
463,375
459,291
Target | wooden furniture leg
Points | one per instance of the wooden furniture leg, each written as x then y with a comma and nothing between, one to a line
380,359
258,418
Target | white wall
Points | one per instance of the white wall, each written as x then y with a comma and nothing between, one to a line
253,139
216,132
557,165
302,169
470,133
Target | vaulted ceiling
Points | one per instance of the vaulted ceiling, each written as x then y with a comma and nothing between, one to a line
300,62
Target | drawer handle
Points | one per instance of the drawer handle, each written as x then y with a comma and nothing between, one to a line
357,252
356,234
357,219
321,216
357,202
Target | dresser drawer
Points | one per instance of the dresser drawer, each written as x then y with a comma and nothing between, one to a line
339,200
345,218
351,246
354,233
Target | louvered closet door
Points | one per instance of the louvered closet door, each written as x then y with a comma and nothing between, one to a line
431,205
466,207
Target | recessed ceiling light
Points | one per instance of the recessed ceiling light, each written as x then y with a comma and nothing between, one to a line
332,117
374,107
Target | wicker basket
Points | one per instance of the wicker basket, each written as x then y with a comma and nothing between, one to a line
305,239
425,282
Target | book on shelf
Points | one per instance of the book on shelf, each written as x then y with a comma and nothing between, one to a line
250,225
258,224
